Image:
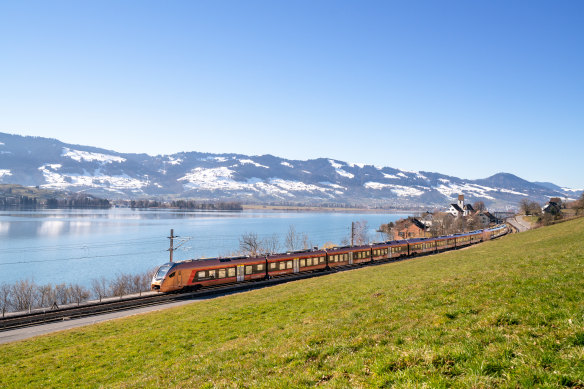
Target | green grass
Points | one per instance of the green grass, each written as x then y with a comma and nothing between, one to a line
507,313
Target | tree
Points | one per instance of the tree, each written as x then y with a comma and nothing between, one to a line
120,285
524,206
292,241
78,293
249,244
479,206
99,287
387,230
23,293
360,232
271,244
580,205
5,298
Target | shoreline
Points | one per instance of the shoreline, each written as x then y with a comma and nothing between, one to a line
286,208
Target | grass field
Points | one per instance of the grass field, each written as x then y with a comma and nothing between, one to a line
507,313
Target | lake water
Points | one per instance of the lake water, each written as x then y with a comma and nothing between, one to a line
55,246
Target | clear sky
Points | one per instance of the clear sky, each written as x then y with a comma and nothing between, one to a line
466,88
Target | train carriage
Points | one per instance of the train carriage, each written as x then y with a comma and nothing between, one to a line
341,256
398,249
360,254
281,264
421,246
381,251
193,274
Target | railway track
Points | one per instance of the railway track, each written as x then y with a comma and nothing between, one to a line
45,316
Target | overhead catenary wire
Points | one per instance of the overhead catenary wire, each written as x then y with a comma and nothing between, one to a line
218,241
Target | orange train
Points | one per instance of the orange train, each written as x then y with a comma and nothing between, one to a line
195,274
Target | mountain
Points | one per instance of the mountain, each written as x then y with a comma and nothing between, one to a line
49,163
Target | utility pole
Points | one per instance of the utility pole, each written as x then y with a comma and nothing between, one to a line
352,233
171,237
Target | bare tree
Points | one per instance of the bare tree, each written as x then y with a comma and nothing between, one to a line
479,206
250,244
387,231
580,205
99,287
306,242
147,279
271,244
120,285
292,241
5,297
361,233
524,206
23,293
78,293
62,294
46,295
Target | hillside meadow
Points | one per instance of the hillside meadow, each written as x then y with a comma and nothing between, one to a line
506,313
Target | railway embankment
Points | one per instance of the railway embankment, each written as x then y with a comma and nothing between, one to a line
504,313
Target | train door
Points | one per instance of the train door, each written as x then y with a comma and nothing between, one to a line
179,278
240,273
350,258
296,265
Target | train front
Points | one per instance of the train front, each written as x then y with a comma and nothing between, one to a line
160,275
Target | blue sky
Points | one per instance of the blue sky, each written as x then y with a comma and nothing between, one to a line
462,88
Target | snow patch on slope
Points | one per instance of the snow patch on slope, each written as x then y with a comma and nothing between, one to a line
337,166
250,162
400,190
56,180
284,163
391,176
452,190
5,172
174,161
79,156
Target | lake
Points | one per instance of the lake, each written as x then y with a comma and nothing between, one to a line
55,246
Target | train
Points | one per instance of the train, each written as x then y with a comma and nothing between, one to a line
194,274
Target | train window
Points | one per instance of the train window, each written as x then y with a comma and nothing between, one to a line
273,265
171,275
309,261
201,274
221,273
260,267
248,269
282,265
288,264
231,272
302,262
212,273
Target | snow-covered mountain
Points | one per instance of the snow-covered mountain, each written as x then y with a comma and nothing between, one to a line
49,163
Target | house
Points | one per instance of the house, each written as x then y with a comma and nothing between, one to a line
427,219
486,218
467,210
455,210
552,207
411,228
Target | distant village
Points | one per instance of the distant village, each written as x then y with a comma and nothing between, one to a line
462,217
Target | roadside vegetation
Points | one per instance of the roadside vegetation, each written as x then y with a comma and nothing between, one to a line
506,313
26,295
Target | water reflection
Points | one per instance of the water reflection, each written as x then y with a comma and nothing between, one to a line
50,228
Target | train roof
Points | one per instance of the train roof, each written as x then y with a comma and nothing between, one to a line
218,262
297,254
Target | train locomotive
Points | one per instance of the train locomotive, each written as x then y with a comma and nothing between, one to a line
194,274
